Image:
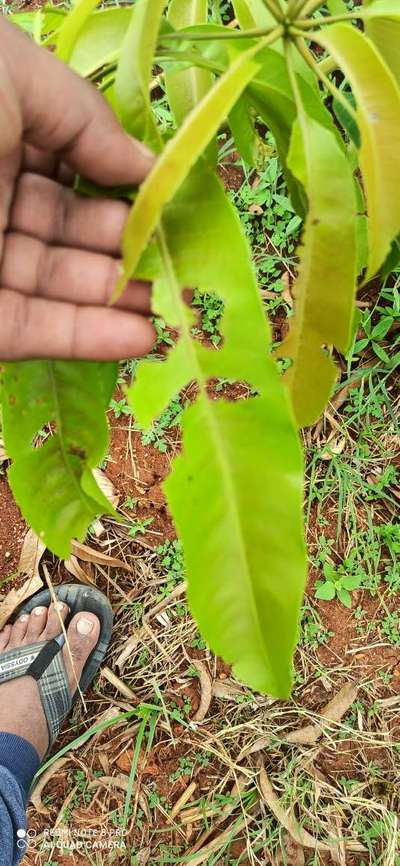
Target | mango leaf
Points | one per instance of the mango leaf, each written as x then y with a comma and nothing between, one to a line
324,295
52,480
71,27
244,134
392,260
100,39
382,25
132,95
252,13
336,7
186,88
179,156
223,488
51,21
272,97
378,109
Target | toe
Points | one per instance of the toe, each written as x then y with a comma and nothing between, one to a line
4,637
18,631
57,615
83,634
36,624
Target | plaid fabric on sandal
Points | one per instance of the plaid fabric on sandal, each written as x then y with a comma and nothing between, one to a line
44,662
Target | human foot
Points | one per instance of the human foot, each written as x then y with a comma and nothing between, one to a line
21,710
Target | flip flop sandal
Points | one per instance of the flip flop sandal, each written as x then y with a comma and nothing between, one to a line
43,660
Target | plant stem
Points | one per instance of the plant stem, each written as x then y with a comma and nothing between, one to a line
191,57
333,90
310,7
208,37
306,23
327,65
275,9
297,7
289,49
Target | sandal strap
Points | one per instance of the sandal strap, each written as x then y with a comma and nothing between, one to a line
55,694
44,662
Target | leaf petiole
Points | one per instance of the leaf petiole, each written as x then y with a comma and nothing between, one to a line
335,92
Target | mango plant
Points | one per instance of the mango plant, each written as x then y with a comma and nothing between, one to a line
324,80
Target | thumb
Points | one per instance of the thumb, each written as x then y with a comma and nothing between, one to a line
60,112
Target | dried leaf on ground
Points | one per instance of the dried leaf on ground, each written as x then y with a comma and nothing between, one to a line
206,690
183,799
32,551
226,690
16,596
88,554
297,833
291,854
119,685
332,712
36,795
258,745
107,487
72,565
127,650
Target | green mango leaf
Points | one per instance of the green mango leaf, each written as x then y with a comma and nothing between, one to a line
51,21
100,39
271,95
382,25
392,260
321,319
336,7
132,94
346,119
244,134
222,490
179,156
378,110
52,480
252,13
380,9
72,26
186,88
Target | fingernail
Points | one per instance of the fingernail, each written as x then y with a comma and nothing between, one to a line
39,610
59,606
24,617
84,626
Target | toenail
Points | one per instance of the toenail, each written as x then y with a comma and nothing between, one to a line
39,610
84,626
23,617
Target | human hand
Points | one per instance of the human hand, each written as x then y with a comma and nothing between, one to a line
59,251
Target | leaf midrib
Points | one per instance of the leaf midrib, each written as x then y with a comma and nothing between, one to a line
199,376
59,426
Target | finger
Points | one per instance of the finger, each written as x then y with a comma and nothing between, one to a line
48,164
38,328
39,161
67,115
56,214
63,274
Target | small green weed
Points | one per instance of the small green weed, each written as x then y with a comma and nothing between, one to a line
390,627
140,526
120,407
337,584
170,418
